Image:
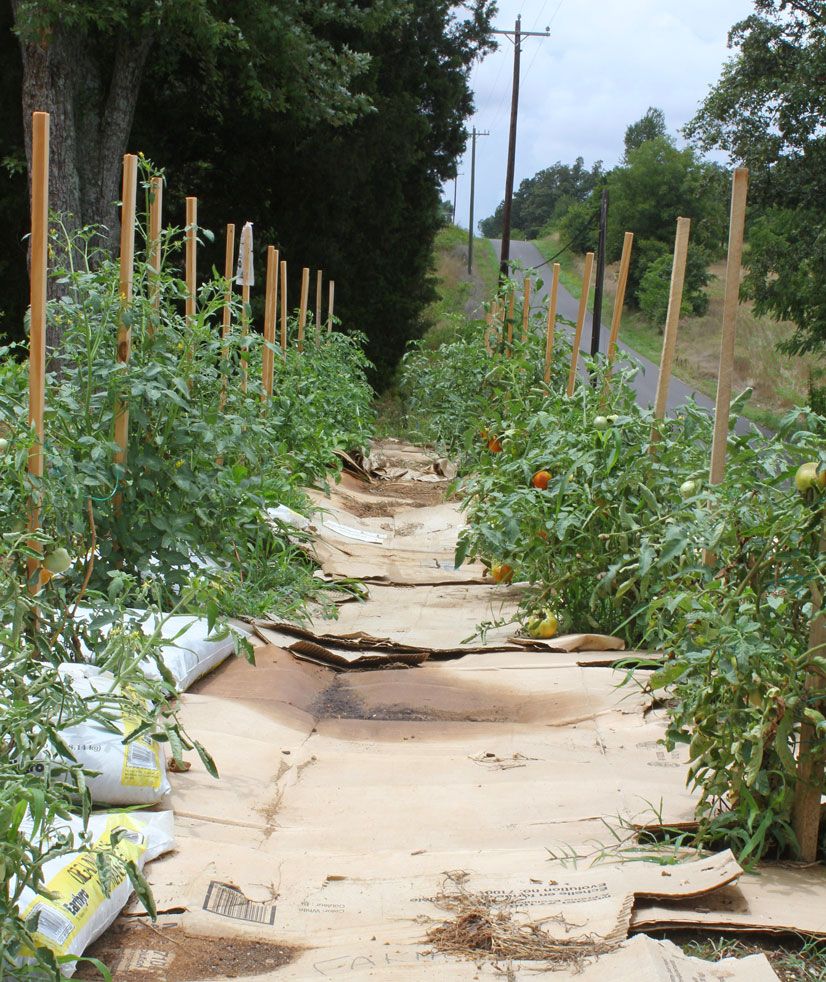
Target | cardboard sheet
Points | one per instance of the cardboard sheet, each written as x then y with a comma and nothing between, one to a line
639,959
443,621
777,899
411,546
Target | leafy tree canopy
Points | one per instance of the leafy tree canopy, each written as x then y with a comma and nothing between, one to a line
649,127
545,197
768,111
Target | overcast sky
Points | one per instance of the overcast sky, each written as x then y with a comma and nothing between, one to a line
604,64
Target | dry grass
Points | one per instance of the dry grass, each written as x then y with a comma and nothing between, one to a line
481,925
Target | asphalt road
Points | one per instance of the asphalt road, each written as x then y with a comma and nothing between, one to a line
645,382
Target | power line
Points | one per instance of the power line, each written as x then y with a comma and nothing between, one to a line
553,18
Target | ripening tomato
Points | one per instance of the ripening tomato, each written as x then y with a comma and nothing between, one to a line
501,573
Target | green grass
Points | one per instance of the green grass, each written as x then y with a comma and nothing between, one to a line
804,961
779,382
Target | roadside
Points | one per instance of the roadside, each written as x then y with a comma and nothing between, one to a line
779,382
458,296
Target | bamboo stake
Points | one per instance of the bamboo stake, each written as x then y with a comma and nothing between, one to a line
127,262
318,278
731,300
155,219
551,326
191,255
246,261
526,307
811,758
331,295
267,359
37,333
619,301
284,309
672,321
302,310
580,318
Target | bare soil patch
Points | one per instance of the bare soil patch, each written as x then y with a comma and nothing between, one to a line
135,951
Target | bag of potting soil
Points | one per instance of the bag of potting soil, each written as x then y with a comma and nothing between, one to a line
126,773
78,905
188,651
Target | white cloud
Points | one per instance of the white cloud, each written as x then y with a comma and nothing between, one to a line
605,63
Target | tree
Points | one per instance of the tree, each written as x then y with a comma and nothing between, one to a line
657,184
84,63
360,201
546,197
650,127
330,126
768,111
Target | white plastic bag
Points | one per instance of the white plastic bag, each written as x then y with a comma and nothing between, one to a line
79,910
131,773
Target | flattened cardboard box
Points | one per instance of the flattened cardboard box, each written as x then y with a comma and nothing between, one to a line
333,900
639,959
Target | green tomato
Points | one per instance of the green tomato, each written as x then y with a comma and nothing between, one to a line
688,489
58,561
612,418
601,423
807,477
4,444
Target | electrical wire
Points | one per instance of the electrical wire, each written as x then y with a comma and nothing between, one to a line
574,237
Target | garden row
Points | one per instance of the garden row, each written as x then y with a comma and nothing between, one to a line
706,547
143,480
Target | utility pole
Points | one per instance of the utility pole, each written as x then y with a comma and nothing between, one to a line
472,193
596,320
516,35
455,189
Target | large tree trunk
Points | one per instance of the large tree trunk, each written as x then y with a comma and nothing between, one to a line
89,85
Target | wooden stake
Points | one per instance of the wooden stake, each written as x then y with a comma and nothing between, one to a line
229,261
127,262
226,314
672,320
37,334
526,307
811,758
284,309
267,359
551,326
191,255
331,296
246,260
731,299
302,310
155,220
318,277
510,316
619,300
580,318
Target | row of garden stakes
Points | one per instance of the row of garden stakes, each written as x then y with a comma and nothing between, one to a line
38,294
811,758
